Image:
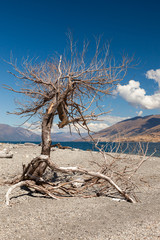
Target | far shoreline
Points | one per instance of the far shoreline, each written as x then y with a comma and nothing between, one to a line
128,147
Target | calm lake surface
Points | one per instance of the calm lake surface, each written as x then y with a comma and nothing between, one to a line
126,147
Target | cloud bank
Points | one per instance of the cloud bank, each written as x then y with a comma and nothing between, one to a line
104,122
155,75
135,95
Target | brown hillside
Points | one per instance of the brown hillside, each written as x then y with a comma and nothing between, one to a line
134,129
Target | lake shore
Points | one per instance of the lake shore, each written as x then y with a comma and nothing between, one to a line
39,217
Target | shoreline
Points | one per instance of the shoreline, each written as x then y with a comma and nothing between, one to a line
133,148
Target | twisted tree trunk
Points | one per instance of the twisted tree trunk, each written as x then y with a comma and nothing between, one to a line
46,143
36,168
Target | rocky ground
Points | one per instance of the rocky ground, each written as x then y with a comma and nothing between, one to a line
38,217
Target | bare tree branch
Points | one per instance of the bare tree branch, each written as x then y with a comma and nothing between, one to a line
67,86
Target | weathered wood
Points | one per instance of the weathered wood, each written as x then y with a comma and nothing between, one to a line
30,184
91,173
36,168
60,146
6,154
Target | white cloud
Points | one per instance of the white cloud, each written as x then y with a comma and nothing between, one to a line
34,127
135,95
110,120
104,122
154,74
95,126
139,113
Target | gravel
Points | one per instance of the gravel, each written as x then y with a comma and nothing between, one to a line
38,217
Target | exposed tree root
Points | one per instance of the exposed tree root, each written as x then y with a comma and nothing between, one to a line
29,184
90,173
87,184
20,184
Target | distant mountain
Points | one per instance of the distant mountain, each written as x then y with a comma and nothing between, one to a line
8,133
134,129
64,137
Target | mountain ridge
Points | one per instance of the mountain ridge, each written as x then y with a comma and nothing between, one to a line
136,129
9,133
20,134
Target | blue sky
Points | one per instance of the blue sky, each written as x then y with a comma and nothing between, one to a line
38,28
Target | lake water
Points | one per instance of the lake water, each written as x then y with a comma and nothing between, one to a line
129,148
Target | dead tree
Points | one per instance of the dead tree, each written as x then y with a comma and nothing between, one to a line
67,87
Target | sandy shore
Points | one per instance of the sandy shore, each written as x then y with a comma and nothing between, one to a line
37,217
